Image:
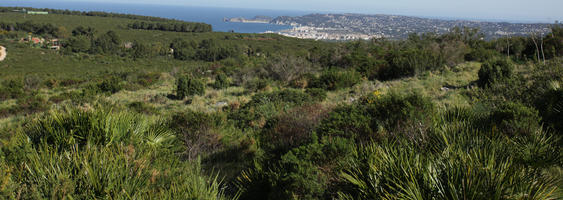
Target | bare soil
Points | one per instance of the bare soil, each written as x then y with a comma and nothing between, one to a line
2,53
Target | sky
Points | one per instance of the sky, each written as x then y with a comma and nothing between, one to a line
521,10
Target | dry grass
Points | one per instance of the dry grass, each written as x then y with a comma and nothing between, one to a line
212,101
431,84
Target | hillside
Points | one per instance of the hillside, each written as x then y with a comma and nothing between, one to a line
109,106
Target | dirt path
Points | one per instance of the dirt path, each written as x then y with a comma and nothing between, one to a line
2,53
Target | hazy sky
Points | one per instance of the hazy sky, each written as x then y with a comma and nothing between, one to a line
476,9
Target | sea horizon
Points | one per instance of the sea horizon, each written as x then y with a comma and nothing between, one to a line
215,15
210,15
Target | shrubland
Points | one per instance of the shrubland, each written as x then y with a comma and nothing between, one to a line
182,113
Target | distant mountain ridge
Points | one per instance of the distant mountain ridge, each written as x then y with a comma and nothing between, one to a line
257,19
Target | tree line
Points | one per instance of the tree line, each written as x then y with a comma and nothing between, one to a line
172,26
35,28
88,13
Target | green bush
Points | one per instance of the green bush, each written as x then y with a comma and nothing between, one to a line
310,171
78,44
111,85
335,80
28,104
350,121
264,106
402,114
147,79
300,178
189,86
514,119
141,50
410,62
295,97
481,55
221,81
493,71
142,107
392,115
11,89
192,122
317,94
31,103
84,95
550,105
256,84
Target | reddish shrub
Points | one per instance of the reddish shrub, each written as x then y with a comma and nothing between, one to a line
294,128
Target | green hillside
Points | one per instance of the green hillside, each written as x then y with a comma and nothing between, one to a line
136,107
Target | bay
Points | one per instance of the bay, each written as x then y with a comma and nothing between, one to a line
209,15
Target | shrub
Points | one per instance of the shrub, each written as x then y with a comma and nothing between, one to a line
59,98
52,83
141,50
481,54
32,82
221,81
189,86
335,80
410,62
299,83
351,121
142,107
396,111
295,97
300,178
78,44
286,68
27,104
111,85
309,171
86,94
256,84
147,79
195,129
70,82
493,71
514,119
31,103
292,129
263,106
453,52
317,94
550,105
11,89
302,82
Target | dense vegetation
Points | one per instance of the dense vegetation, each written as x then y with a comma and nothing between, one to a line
178,27
161,113
86,13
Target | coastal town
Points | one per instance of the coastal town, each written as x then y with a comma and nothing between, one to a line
360,26
319,33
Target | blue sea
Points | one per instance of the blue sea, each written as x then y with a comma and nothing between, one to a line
209,15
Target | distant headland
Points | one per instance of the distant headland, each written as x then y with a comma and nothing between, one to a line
257,19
